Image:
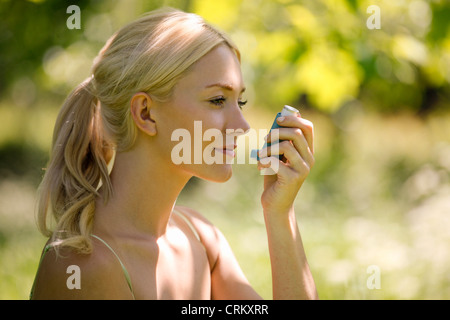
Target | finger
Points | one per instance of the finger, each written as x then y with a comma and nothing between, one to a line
278,170
269,166
264,162
298,139
306,126
294,159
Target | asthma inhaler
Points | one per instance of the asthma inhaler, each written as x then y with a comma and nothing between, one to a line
287,111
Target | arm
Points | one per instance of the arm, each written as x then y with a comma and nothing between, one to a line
291,276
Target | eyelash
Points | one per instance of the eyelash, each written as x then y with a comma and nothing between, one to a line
220,101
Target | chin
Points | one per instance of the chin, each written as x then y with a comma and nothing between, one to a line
215,173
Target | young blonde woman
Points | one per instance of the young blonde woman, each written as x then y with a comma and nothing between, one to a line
121,229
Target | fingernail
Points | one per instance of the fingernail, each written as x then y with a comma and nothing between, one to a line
280,119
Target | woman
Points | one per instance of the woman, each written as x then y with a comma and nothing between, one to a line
121,230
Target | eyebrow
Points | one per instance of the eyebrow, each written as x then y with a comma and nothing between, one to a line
225,86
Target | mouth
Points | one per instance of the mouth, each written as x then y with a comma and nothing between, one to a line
227,150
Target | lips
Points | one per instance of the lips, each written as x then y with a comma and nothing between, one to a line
228,150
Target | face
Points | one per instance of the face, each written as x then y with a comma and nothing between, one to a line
199,125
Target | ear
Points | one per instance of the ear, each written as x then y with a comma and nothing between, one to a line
141,110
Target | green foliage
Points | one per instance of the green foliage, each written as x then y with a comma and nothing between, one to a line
317,53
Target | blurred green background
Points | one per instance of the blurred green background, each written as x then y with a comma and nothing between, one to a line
379,193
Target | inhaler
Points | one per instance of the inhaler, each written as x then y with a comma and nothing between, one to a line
287,111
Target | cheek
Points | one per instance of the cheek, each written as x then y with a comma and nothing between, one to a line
188,125
202,125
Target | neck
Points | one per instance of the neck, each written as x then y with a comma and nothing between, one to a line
144,194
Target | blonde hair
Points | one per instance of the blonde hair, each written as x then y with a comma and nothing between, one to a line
148,55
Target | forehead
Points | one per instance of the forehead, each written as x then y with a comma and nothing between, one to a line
219,66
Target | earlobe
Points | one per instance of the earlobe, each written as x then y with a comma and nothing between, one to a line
141,110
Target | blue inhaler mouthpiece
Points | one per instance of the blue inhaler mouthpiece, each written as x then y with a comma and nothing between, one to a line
287,111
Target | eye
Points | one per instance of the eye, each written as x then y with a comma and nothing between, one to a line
220,101
241,104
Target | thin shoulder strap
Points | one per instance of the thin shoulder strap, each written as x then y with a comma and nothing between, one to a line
127,275
188,222
49,246
46,248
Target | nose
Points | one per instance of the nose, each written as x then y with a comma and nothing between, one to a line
237,123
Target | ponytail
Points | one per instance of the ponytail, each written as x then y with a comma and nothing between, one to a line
77,167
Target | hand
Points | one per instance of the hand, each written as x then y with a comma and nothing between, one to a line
280,190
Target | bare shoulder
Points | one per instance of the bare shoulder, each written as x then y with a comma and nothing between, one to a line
227,279
210,235
70,275
206,229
